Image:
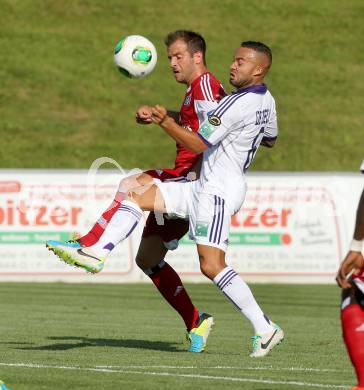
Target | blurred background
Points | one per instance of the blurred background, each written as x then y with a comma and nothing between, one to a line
63,103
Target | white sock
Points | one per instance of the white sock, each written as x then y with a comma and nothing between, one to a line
239,293
121,225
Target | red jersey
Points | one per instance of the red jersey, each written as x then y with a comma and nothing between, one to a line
201,97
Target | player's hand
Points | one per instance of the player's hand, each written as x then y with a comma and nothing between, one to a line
160,116
144,115
352,262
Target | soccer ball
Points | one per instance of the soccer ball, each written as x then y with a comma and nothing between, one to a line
135,56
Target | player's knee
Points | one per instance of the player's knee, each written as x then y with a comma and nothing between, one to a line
125,184
149,265
134,197
141,263
150,253
210,266
129,183
207,267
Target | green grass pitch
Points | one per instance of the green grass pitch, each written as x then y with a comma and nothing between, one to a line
72,336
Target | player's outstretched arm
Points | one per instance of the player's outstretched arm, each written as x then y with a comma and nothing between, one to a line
174,115
143,115
188,139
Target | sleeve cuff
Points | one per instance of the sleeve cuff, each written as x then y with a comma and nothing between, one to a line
205,140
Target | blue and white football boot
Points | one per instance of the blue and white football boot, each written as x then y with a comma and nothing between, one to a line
73,253
198,335
263,343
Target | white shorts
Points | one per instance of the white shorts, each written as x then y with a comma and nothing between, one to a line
208,214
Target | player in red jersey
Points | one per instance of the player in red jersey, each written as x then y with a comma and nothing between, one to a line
352,306
186,53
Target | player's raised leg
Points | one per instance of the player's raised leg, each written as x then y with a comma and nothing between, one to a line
121,225
127,184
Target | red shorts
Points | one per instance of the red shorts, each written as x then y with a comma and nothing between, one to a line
173,229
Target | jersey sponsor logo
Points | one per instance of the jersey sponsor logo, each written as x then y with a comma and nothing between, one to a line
206,130
187,100
215,120
201,229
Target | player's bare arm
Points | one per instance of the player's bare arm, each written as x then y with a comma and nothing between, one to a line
174,115
143,115
354,260
188,139
359,224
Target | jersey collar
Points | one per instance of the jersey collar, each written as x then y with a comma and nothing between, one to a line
261,89
197,80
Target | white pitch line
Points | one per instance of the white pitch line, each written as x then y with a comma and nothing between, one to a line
194,376
268,368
